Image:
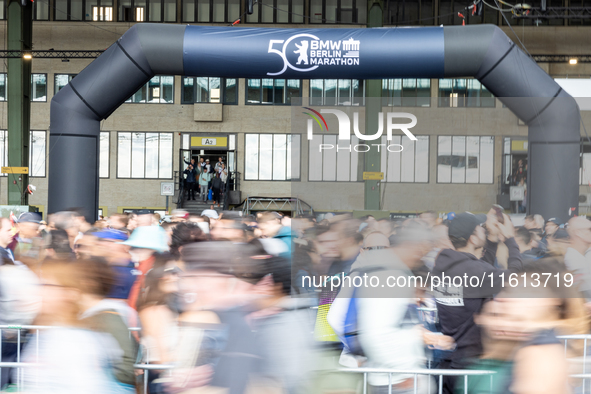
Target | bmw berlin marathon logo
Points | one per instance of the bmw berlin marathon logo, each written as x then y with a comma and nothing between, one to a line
306,52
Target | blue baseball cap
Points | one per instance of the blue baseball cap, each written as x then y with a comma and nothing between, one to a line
112,235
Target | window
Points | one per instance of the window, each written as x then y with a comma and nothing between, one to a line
41,10
277,11
83,10
464,93
104,154
144,155
465,159
271,157
209,90
38,87
272,91
336,92
338,164
3,80
159,90
61,80
338,11
409,165
133,11
406,92
225,11
409,12
37,153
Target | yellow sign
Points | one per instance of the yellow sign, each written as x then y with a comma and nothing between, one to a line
518,146
209,142
373,176
15,170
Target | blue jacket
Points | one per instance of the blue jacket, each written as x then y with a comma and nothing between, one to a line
191,175
284,234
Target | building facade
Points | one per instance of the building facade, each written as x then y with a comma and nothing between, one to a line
468,148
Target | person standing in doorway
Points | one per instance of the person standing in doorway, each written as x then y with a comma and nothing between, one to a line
204,179
216,187
218,165
191,180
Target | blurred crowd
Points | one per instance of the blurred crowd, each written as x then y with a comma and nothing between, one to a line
232,303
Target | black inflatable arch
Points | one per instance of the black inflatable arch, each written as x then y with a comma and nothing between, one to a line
483,52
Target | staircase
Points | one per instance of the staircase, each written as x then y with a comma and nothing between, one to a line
197,206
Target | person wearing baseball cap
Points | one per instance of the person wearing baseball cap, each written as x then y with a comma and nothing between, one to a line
552,225
457,303
29,244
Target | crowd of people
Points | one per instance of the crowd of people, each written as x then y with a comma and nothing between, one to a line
206,179
234,303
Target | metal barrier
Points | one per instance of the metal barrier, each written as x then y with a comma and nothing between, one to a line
416,372
584,338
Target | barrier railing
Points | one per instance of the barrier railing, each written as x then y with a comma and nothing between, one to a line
416,372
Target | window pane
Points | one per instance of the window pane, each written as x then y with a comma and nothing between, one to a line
124,155
169,10
3,149
316,12
297,9
251,156
278,95
233,10
167,93
407,160
266,156
331,11
154,92
219,9
444,159
329,160
458,158
267,88
423,92
586,170
394,158
315,159
293,90
61,10
214,90
422,159
104,155
486,159
203,11
344,160
76,10
151,155
37,153
186,144
316,91
282,11
202,86
3,87
279,157
253,87
344,91
293,156
472,157
330,92
354,159
155,10
165,155
266,10
188,10
188,90
231,91
39,87
138,159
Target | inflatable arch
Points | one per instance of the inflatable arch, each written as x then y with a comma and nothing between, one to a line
483,52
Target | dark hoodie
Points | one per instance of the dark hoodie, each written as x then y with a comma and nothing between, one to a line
457,306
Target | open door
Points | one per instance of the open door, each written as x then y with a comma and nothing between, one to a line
184,158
